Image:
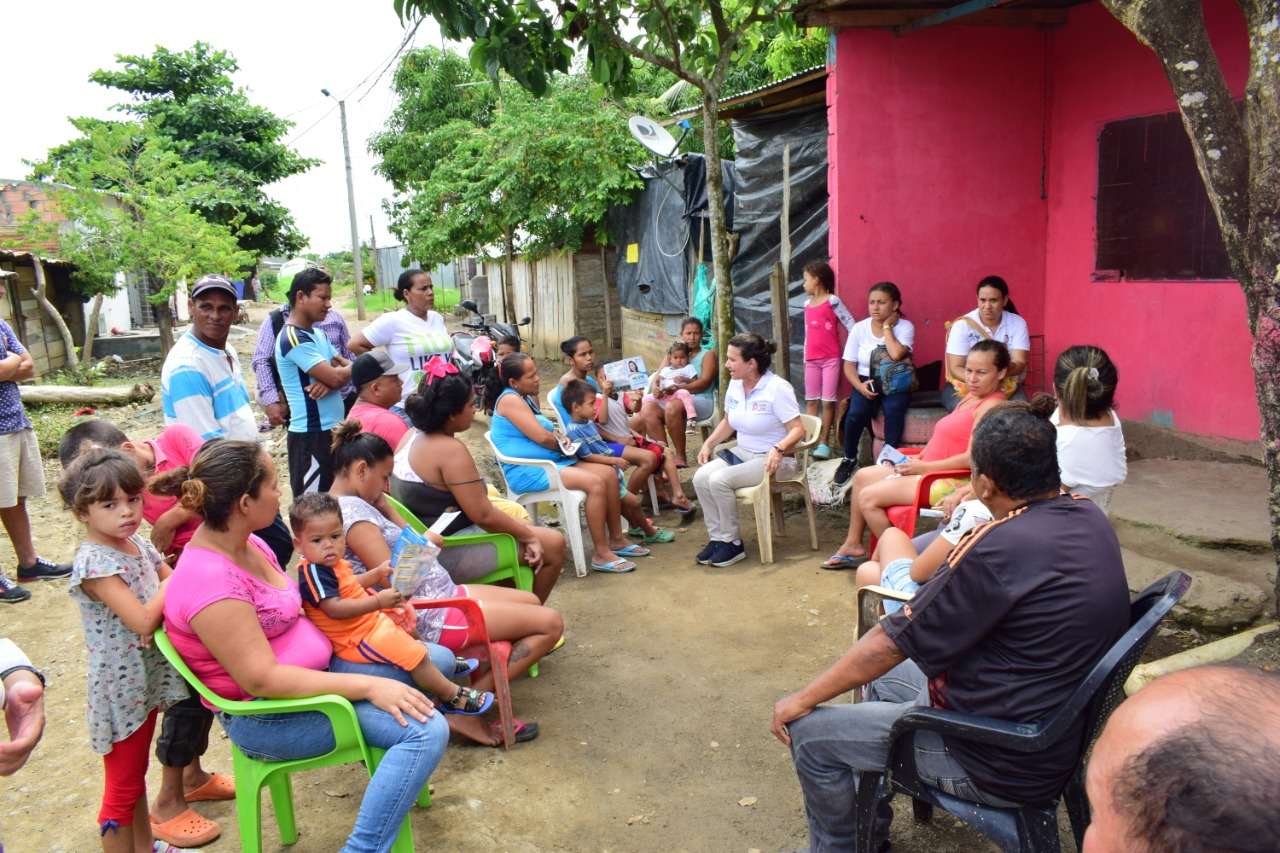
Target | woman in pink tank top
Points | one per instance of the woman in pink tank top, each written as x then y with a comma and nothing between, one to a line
878,487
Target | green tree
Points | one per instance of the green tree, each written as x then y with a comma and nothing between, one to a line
474,168
1238,155
698,41
147,222
189,98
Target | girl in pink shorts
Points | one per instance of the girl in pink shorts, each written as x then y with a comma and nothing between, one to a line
824,314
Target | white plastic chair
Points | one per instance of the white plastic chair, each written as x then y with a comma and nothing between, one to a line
761,497
570,501
706,426
558,417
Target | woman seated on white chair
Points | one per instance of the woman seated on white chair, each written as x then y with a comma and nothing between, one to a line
519,429
761,407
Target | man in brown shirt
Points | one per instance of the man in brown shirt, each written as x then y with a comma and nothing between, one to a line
1007,628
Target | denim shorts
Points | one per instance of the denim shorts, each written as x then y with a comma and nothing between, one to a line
897,576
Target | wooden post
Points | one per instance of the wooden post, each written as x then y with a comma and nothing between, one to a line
608,303
781,320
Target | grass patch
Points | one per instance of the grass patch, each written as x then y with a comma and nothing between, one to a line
52,421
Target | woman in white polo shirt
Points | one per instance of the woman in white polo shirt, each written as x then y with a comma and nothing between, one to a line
761,407
411,335
996,319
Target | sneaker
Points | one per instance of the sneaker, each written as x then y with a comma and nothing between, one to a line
10,592
704,556
822,452
844,471
728,553
43,570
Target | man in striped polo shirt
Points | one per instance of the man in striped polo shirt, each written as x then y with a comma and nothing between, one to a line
313,375
202,386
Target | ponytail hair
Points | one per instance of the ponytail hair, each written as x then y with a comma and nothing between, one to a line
570,346
1085,380
435,402
499,378
222,472
351,444
752,347
997,349
1001,285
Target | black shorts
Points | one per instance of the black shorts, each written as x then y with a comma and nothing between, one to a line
310,462
184,733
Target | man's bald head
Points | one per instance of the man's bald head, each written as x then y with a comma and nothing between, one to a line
1190,763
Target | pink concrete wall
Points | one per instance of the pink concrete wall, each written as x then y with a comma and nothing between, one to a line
935,170
1182,347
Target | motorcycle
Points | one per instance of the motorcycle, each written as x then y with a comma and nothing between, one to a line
474,348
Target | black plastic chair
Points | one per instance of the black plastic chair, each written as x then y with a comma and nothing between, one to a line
1033,827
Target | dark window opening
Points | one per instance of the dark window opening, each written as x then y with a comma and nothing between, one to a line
1154,218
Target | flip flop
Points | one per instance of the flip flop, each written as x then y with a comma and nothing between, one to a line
616,567
686,511
474,703
631,550
838,562
557,647
661,536
186,830
219,787
461,667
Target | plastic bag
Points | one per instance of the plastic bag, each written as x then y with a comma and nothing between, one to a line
414,558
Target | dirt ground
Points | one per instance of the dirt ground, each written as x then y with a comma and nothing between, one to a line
654,716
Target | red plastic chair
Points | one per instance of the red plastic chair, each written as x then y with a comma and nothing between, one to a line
904,516
496,652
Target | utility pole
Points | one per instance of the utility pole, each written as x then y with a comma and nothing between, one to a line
351,210
377,267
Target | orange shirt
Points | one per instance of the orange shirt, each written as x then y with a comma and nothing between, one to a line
316,583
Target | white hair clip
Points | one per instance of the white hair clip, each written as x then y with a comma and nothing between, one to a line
1093,374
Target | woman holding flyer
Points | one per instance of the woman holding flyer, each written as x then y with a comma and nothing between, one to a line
657,418
363,463
878,487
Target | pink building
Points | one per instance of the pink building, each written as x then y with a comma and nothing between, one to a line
959,151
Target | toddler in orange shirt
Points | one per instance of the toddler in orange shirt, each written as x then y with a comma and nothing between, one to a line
356,617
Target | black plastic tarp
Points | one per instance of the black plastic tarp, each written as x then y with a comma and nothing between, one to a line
656,234
758,215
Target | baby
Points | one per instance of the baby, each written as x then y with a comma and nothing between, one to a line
671,379
342,605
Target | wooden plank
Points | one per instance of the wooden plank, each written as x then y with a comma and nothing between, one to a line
781,313
902,17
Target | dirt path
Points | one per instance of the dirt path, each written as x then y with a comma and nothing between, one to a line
654,717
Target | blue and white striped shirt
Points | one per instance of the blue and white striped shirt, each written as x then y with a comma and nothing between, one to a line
204,388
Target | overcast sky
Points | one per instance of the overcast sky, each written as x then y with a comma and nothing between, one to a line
287,49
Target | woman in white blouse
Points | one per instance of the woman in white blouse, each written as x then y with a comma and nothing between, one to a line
761,407
884,327
411,335
1091,452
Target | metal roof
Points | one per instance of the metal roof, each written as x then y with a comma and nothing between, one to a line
907,15
776,95
19,254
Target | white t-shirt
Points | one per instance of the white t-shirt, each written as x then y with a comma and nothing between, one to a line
668,374
1092,457
760,419
968,515
1012,332
410,341
863,341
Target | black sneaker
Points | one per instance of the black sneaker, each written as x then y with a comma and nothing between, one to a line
704,556
10,592
728,553
43,570
844,471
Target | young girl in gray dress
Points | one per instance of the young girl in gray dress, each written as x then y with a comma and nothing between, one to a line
118,581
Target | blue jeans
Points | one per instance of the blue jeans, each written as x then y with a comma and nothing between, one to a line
862,410
413,751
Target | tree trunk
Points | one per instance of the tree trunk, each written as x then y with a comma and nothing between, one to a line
86,354
164,316
42,297
721,258
508,280
85,395
1239,163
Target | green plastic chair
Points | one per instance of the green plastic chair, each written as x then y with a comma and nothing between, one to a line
252,774
506,551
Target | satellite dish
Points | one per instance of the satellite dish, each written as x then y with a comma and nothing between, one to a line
652,135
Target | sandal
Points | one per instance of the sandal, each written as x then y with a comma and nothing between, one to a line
468,702
219,787
660,536
631,550
837,562
186,830
617,567
524,732
557,647
461,667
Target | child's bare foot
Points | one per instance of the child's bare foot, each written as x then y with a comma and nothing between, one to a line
474,729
